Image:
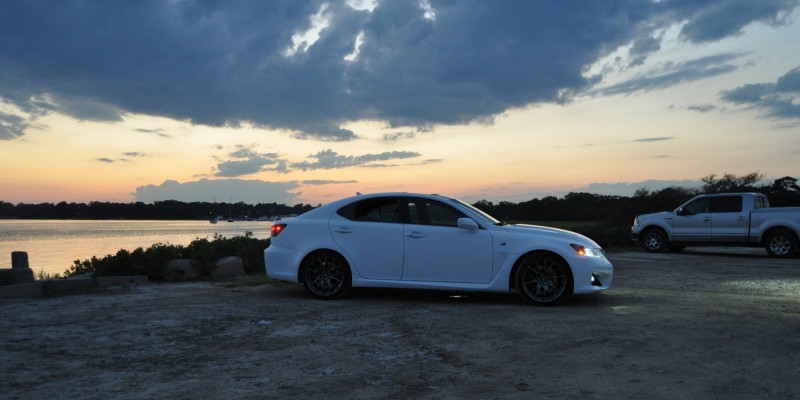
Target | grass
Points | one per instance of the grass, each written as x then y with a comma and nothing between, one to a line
45,276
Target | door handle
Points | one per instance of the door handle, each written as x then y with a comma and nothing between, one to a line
416,235
706,219
741,218
343,229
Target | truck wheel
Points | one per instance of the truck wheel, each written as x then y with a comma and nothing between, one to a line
781,243
654,240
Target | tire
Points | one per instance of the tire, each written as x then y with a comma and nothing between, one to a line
543,279
654,240
781,243
326,275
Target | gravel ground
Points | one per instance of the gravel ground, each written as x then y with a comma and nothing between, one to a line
704,323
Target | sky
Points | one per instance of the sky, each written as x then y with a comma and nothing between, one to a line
295,101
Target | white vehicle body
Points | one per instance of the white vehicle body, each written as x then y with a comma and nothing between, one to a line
464,249
727,219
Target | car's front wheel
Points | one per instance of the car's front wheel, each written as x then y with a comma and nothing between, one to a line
326,275
781,243
543,279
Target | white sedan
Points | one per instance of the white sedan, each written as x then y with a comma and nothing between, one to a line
418,241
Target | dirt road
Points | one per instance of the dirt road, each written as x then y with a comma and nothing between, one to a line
701,324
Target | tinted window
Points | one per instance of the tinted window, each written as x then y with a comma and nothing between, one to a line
382,209
696,207
431,212
726,204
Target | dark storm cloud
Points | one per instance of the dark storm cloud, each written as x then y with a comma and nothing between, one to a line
224,63
779,100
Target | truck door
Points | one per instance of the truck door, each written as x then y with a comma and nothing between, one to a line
692,222
728,221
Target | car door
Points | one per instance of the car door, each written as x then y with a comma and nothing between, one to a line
437,250
692,222
370,232
728,221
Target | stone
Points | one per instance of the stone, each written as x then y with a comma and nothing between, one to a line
227,267
181,270
26,290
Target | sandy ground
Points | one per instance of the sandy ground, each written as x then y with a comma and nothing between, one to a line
701,324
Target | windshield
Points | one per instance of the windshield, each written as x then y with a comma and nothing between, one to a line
479,212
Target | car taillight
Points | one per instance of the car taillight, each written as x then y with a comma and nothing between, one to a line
277,229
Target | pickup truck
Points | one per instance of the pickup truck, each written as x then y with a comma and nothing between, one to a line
729,219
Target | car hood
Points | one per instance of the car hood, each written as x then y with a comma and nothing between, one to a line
655,215
553,233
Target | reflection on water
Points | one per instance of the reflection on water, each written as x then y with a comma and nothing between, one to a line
52,246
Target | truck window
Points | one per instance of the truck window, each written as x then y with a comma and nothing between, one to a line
761,202
696,207
726,204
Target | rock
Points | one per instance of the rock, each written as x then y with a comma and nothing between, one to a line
181,270
226,267
16,276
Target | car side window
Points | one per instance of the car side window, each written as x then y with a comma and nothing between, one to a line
381,209
726,204
696,207
431,212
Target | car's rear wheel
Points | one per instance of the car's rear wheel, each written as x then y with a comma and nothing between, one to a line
781,243
654,240
543,279
326,275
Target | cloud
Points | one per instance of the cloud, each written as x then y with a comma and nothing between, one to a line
248,191
702,108
395,136
779,100
329,159
308,68
653,139
671,74
11,126
105,160
248,162
629,188
721,19
316,182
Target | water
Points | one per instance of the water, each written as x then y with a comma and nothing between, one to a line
53,246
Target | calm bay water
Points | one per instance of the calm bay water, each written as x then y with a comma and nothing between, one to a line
53,246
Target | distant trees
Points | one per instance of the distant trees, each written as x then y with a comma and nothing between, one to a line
729,183
160,210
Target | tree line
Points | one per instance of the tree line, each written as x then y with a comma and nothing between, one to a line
783,192
615,210
159,210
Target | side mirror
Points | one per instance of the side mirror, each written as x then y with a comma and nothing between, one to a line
469,224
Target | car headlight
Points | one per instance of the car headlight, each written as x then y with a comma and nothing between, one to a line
588,251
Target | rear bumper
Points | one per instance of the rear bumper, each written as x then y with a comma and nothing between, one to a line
281,263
